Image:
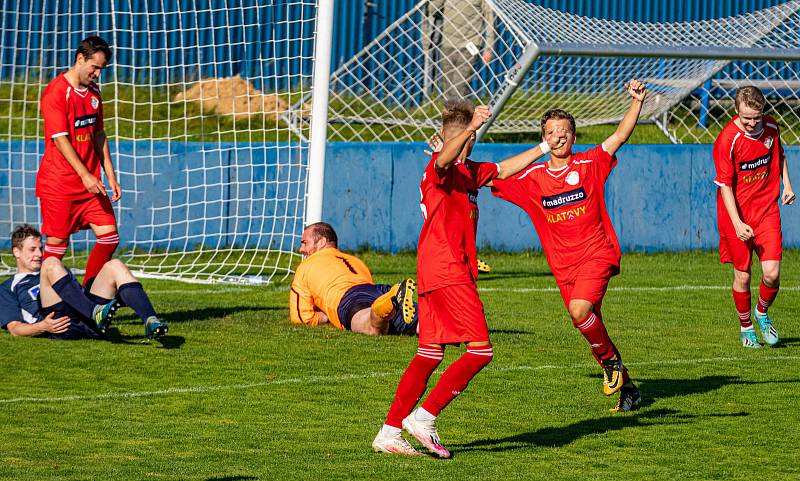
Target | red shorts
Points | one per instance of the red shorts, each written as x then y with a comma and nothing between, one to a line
62,217
452,315
590,284
767,244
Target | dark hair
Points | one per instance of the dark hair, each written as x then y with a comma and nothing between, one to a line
750,96
457,113
22,232
323,229
91,45
557,114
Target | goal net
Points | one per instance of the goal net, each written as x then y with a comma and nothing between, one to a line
523,59
195,101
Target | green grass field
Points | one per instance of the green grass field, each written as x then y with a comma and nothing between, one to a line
237,393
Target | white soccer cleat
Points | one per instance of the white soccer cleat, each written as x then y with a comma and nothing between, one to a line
425,432
393,444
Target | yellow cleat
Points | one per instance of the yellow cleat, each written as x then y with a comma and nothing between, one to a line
612,375
484,267
404,300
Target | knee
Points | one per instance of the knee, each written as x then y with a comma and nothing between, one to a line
51,266
483,353
741,278
771,278
578,312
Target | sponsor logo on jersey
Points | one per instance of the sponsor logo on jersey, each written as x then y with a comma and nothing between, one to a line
83,137
749,179
768,143
573,178
565,198
85,121
95,102
754,164
34,292
472,195
569,214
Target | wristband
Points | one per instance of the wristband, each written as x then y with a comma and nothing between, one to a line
545,148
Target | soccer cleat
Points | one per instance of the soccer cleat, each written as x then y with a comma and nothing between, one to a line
612,375
484,267
768,331
103,313
749,339
396,444
154,328
425,432
404,300
629,398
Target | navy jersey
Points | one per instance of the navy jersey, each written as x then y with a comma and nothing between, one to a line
19,299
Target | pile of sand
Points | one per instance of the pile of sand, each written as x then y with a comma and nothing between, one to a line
233,96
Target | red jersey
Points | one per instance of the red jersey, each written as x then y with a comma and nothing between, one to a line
568,209
78,115
446,254
752,167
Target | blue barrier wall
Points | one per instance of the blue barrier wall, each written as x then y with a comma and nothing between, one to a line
660,197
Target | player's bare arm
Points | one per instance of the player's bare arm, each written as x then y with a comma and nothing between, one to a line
49,324
743,231
637,91
92,183
787,198
454,147
102,148
516,163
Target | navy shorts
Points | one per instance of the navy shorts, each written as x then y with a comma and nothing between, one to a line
361,297
80,326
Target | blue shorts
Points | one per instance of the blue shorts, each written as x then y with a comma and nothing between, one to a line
361,297
80,327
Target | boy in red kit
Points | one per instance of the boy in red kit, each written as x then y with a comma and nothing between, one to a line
68,184
450,311
564,198
750,165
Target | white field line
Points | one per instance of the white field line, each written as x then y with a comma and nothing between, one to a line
629,289
349,377
685,287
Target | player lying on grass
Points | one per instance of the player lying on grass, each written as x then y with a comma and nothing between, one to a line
44,299
750,165
332,287
564,198
450,311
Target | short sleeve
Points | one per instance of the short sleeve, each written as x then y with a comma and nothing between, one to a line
604,162
723,160
9,308
484,172
54,111
513,189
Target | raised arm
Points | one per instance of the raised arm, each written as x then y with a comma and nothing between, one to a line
454,146
637,91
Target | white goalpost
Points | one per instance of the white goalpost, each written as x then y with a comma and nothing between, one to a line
196,104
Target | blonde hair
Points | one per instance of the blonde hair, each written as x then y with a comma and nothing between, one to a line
750,96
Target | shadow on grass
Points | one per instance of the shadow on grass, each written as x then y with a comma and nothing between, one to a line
787,342
231,478
206,313
559,436
166,342
654,389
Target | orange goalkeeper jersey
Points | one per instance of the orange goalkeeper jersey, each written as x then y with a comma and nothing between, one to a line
320,282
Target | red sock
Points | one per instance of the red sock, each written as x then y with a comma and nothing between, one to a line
54,250
766,295
596,335
742,302
413,383
456,378
103,250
